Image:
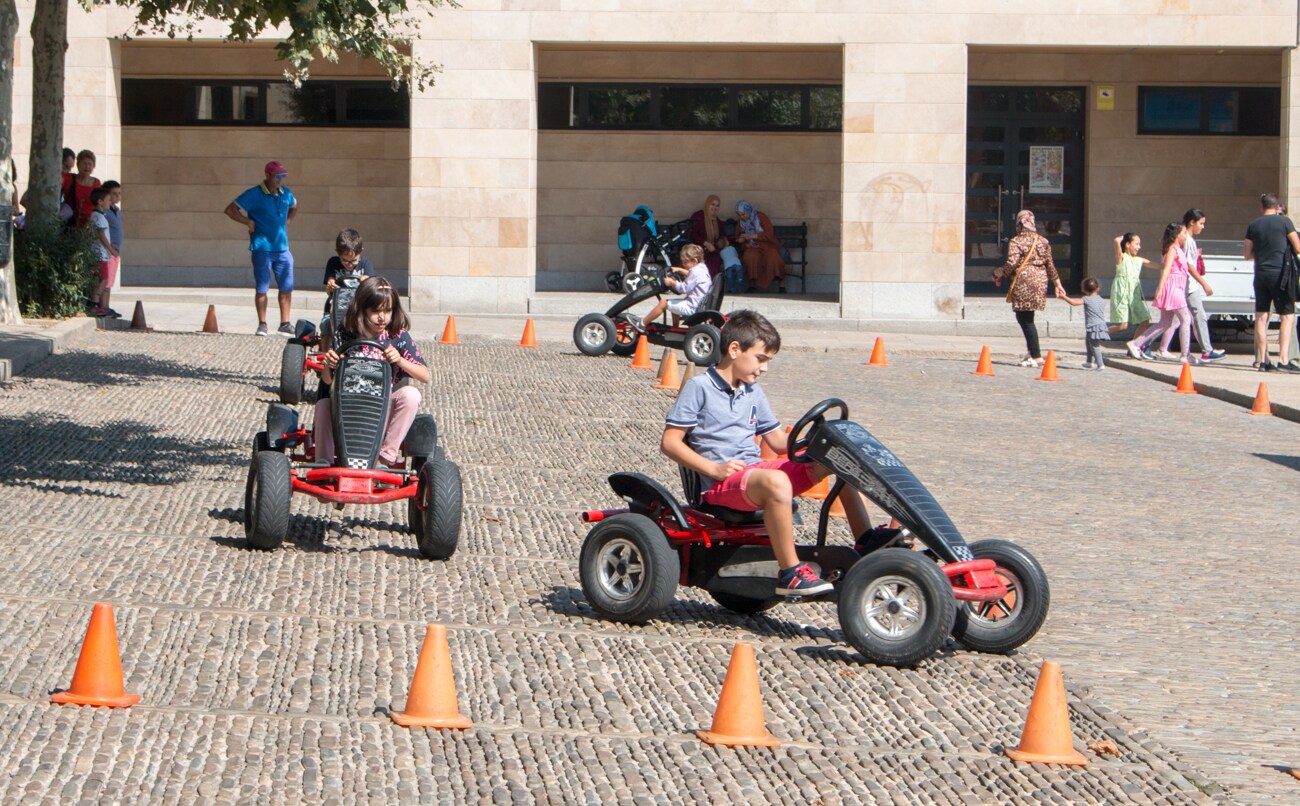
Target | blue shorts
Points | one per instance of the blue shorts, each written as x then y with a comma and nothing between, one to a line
264,263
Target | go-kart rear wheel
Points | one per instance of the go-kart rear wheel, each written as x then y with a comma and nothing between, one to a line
437,528
291,377
628,569
744,605
1001,626
266,500
594,334
896,607
702,346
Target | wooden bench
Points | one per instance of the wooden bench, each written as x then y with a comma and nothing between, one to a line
794,249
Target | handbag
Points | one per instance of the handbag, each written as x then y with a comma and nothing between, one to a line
1289,281
1016,276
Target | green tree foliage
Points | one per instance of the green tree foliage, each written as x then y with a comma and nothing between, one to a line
57,267
371,29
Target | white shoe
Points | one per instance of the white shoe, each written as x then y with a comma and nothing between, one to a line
1133,351
1165,355
1027,361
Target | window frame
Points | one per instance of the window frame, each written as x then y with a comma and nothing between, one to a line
1203,93
582,120
340,88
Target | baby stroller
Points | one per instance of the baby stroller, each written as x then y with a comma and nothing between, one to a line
645,249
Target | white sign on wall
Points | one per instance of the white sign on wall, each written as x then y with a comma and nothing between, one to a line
1047,169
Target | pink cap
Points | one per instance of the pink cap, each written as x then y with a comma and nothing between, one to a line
274,167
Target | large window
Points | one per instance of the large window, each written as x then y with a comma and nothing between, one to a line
708,107
203,102
1246,111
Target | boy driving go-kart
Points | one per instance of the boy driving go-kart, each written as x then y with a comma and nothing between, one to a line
733,536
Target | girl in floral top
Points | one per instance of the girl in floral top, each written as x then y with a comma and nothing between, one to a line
376,314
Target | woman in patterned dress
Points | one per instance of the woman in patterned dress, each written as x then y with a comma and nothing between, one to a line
1030,267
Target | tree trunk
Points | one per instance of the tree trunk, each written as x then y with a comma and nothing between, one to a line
8,33
45,169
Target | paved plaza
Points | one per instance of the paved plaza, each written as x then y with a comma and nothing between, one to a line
1164,523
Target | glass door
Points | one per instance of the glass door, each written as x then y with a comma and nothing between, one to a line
1024,150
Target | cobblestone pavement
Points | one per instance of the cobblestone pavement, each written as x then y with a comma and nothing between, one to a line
267,677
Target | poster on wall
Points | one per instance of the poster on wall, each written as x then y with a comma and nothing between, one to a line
1047,169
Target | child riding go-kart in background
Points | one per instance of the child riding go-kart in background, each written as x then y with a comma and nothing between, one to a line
711,428
692,280
376,314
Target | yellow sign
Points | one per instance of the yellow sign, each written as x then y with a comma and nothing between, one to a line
1106,97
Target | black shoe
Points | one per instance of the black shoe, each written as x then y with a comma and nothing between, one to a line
1288,368
876,538
1264,366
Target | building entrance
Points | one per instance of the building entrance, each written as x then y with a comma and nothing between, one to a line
1024,150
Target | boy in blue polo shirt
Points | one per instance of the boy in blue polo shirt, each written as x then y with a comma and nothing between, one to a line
266,210
711,430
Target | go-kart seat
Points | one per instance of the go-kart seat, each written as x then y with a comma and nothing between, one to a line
692,485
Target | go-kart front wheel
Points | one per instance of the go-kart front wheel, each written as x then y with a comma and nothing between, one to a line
896,607
1001,626
291,377
437,528
594,334
266,500
703,345
628,570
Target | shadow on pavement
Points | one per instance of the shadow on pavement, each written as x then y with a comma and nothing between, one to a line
309,533
129,369
1292,462
42,446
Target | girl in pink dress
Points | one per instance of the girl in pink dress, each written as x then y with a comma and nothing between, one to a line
1171,301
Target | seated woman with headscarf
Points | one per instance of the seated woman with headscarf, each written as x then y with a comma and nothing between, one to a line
761,251
706,233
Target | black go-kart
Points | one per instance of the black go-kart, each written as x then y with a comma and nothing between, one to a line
301,355
284,462
897,605
699,336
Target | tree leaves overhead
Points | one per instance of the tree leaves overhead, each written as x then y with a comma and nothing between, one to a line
371,29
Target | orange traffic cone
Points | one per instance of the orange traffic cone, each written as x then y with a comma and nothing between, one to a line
1185,385
1046,738
432,700
691,369
210,321
641,359
98,678
449,332
878,354
985,366
668,377
738,718
530,337
1049,368
137,318
1262,407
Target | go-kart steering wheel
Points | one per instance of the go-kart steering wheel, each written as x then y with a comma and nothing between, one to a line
797,444
348,346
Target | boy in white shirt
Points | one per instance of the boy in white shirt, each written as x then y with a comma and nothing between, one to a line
694,287
100,200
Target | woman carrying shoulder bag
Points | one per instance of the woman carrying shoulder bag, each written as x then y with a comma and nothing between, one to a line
1030,267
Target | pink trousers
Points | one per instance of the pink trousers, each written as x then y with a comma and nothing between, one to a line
403,405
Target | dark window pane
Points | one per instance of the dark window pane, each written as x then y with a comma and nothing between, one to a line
988,99
1049,101
985,156
826,108
1171,110
375,103
1047,135
556,106
618,107
770,108
989,180
312,104
693,107
1260,111
985,134
148,102
227,103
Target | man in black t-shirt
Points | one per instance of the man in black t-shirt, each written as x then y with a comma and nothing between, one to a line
1269,239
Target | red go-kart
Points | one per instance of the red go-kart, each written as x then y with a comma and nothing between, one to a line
284,462
896,605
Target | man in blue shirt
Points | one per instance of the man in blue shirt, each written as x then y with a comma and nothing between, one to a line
266,210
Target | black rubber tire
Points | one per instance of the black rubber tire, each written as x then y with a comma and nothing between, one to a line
422,437
1033,596
266,500
613,280
652,591
743,605
291,377
623,349
439,525
587,341
703,345
929,587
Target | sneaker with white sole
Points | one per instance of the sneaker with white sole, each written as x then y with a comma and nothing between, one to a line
1089,365
261,329
1134,351
1213,355
285,329
1027,361
1165,355
1147,355
801,580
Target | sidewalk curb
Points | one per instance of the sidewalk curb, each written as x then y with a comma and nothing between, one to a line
20,349
1217,392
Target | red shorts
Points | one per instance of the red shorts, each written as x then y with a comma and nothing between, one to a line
730,492
108,271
